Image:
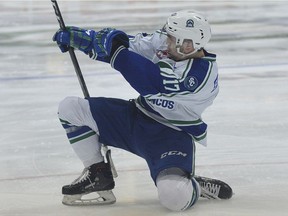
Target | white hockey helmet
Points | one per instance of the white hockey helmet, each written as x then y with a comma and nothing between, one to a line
191,25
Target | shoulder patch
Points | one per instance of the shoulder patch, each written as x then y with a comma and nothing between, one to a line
191,83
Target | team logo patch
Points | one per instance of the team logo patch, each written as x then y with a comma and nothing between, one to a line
190,23
191,83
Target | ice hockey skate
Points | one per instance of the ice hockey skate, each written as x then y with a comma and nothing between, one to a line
214,188
97,181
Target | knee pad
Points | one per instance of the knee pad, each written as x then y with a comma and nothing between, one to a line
76,111
69,106
176,191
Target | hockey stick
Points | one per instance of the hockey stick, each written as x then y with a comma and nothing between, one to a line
81,80
71,51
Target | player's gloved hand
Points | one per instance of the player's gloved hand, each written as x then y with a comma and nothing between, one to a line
99,45
75,37
106,42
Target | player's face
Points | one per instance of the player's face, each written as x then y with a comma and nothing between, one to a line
186,48
172,49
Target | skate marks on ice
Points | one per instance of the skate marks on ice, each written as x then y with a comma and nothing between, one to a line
136,195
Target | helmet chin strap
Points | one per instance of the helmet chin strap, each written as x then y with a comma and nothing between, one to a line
187,54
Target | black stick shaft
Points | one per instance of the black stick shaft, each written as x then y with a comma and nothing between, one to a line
71,51
80,77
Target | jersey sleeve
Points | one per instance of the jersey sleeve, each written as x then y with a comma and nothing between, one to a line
142,74
149,46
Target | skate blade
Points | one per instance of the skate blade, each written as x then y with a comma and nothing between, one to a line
103,198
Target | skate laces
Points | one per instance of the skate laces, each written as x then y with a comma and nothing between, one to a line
83,177
210,190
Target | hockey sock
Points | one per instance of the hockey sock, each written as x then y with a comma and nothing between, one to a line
85,143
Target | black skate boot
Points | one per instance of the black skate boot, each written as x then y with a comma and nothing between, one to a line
96,178
214,188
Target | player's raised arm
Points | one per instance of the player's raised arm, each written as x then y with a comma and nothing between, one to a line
110,45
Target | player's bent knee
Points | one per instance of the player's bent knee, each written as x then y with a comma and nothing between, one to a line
67,104
71,109
176,191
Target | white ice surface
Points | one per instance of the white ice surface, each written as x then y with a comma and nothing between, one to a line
248,123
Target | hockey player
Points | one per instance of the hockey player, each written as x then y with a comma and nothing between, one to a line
177,80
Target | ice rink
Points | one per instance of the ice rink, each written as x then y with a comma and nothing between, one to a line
248,123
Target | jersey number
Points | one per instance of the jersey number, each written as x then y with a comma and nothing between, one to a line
171,85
